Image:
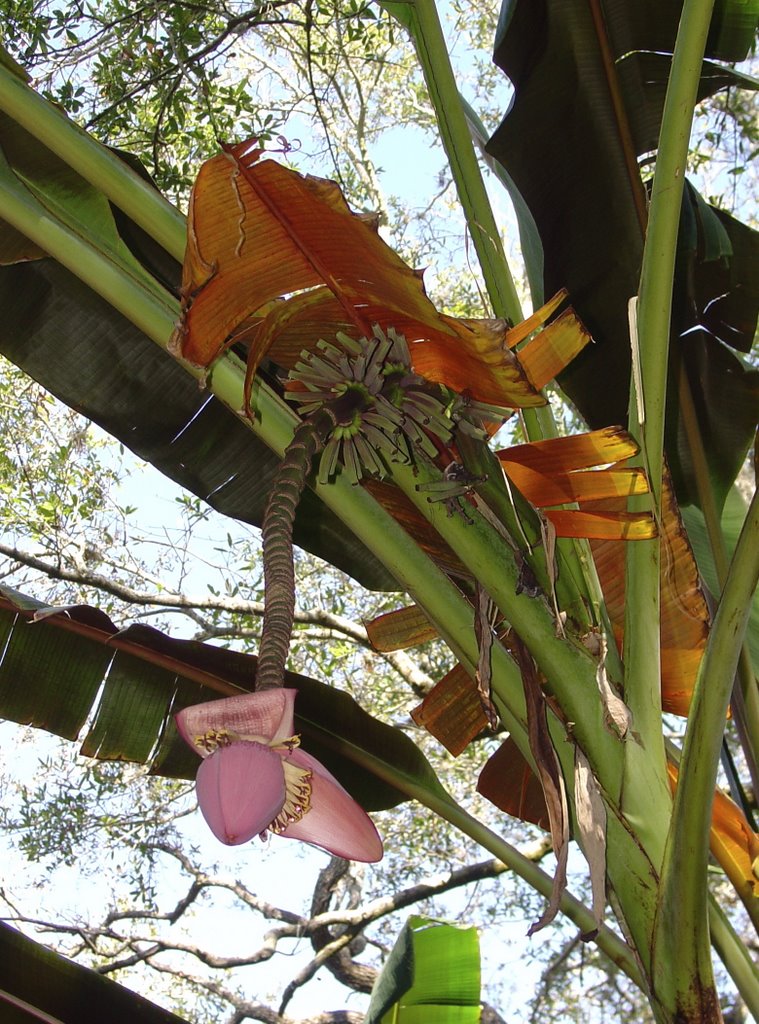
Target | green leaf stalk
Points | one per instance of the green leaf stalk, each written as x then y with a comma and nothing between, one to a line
681,917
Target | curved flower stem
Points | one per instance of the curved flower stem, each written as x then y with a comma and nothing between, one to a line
277,542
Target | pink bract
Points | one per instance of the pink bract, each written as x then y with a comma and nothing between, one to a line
248,765
266,716
241,789
335,822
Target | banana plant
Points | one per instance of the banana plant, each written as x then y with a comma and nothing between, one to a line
515,558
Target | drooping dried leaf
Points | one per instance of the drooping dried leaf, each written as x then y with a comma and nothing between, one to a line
483,629
585,485
733,843
401,629
557,456
555,347
605,525
452,711
551,778
476,362
684,613
471,355
508,781
258,231
548,536
520,332
617,716
590,811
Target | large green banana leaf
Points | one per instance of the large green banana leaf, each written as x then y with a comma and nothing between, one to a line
431,975
37,984
72,672
588,101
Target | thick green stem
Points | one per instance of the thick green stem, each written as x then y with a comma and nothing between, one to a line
681,955
97,164
453,116
660,248
651,347
571,679
421,20
681,963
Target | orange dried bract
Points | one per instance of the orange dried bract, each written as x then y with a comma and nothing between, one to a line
401,629
452,711
259,232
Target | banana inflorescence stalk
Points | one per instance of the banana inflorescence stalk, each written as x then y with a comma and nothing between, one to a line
363,405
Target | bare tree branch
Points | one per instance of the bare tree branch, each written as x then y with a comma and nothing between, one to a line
416,678
335,927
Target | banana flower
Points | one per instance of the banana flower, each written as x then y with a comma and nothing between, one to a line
255,779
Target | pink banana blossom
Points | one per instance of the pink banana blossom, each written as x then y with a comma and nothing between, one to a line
254,778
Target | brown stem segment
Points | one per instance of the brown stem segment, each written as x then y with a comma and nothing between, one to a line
277,535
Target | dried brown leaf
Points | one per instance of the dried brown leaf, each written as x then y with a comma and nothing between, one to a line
452,711
551,778
590,811
401,629
483,630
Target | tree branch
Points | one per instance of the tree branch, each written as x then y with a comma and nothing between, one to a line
417,679
332,931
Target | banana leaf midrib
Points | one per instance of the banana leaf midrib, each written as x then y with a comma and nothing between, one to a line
63,620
